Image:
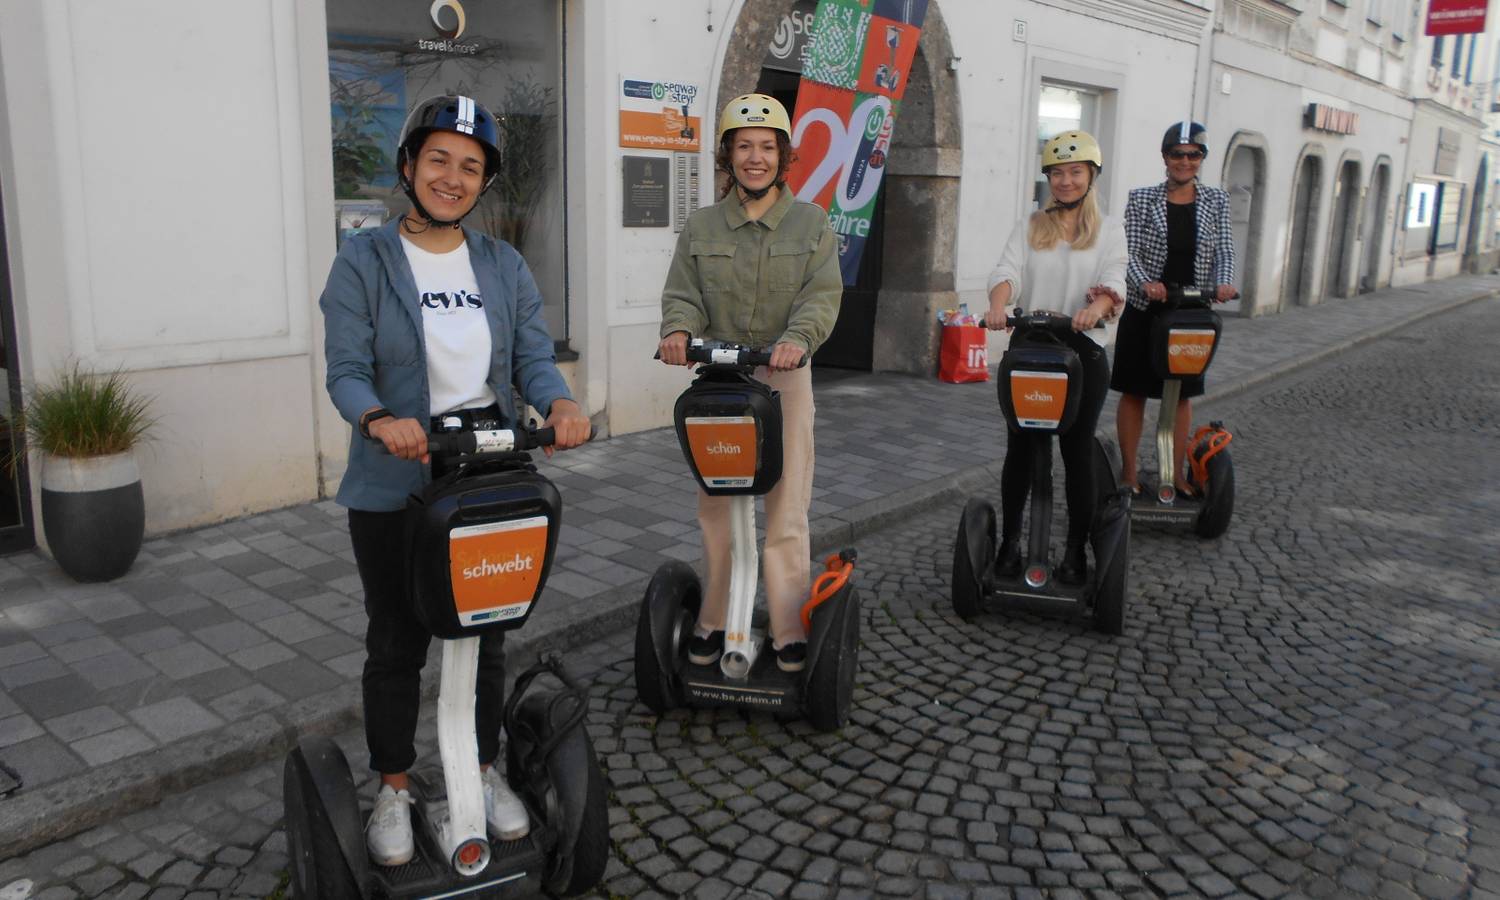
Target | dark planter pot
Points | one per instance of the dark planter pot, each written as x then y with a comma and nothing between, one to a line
93,514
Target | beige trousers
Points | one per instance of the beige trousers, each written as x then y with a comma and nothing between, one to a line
785,562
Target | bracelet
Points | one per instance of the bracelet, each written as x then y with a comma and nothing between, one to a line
379,412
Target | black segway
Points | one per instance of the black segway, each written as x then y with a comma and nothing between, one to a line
482,539
1040,385
1183,341
729,426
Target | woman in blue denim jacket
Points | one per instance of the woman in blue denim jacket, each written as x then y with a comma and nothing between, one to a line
425,318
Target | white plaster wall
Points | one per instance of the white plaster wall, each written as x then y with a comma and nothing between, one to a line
617,273
161,172
1268,92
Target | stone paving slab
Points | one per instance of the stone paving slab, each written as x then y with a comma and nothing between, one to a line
224,643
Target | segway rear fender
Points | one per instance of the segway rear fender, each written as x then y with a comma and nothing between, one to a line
563,798
1111,524
673,588
328,770
826,619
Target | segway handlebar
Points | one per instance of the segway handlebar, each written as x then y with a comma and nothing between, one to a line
504,440
1191,297
722,354
1058,324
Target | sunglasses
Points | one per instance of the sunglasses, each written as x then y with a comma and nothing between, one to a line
1185,154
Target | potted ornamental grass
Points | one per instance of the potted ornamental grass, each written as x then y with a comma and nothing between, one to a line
85,426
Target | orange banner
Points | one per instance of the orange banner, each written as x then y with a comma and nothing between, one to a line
1188,350
1039,398
723,449
495,568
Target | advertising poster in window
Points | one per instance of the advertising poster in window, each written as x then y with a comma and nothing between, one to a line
852,83
385,56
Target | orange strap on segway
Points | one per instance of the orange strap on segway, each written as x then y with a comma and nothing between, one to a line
837,569
1218,439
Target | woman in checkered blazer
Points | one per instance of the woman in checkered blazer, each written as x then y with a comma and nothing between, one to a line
1179,234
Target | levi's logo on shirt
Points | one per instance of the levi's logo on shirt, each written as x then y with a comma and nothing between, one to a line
451,300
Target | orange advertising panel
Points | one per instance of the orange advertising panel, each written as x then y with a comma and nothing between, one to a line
723,449
1188,350
660,115
495,568
1039,398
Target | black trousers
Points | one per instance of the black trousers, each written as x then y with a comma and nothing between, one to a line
396,650
1077,447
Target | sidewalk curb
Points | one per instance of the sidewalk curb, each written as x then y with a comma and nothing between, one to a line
1236,388
33,819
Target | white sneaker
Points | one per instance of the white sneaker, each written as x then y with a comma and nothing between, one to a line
504,811
388,833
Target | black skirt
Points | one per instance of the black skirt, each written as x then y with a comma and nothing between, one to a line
1133,372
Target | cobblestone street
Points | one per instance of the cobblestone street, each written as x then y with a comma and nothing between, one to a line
1308,706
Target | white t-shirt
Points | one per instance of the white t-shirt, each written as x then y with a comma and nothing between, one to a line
454,325
1059,279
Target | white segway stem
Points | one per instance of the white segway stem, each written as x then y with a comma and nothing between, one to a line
1166,450
460,829
740,646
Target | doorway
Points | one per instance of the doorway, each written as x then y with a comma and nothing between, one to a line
1375,204
15,494
1245,181
1344,231
1472,246
1300,252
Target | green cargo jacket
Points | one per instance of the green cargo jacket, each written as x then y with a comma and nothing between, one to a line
755,282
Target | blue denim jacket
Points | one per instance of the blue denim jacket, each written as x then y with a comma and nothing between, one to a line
377,354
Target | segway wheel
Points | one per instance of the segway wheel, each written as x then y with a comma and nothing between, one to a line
1218,501
1109,600
589,854
973,554
830,684
318,868
668,611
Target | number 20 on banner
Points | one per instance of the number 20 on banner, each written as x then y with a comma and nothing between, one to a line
847,156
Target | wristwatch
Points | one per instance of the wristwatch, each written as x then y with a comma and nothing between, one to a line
379,412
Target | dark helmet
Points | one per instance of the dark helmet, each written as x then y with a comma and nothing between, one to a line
1185,132
458,114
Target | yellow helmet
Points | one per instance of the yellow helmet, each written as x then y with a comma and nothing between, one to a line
755,111
1072,146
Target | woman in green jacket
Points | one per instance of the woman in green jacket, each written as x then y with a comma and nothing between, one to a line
758,268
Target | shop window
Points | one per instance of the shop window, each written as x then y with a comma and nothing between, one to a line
384,57
1062,108
1421,205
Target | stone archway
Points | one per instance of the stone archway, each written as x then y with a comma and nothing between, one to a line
1245,180
921,184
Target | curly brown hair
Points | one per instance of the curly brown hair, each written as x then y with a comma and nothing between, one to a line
784,159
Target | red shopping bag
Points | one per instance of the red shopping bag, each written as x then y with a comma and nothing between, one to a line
965,354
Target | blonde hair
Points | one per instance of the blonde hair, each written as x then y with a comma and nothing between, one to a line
1046,227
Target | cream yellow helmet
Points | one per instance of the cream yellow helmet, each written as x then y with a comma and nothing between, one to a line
755,111
1070,147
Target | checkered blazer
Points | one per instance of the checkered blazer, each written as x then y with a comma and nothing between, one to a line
1146,235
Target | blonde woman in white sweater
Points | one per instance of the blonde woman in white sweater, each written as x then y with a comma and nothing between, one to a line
1067,258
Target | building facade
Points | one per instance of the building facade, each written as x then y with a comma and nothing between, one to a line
175,185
